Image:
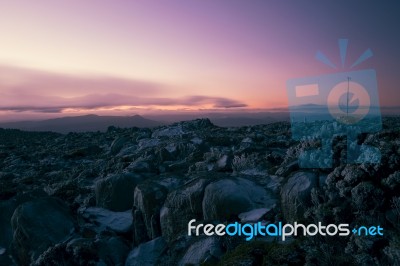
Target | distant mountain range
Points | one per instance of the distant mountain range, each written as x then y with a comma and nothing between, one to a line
232,119
101,123
82,123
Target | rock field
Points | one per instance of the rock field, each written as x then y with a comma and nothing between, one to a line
125,196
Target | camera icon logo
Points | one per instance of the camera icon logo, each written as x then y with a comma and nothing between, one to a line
338,104
347,99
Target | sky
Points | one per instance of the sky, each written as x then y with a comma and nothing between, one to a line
121,57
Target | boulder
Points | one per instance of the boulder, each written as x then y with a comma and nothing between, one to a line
143,165
224,163
108,250
147,253
115,192
139,228
112,250
7,208
4,257
287,168
296,195
198,124
169,131
79,251
207,250
365,196
181,206
117,145
253,215
225,199
148,143
148,199
392,181
38,224
102,219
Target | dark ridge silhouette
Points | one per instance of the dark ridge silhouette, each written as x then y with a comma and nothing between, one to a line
83,123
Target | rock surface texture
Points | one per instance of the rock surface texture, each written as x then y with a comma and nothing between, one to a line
125,196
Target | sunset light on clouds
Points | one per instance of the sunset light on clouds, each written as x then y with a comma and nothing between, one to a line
128,57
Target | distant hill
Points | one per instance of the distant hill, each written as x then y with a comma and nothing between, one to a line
235,119
92,122
82,123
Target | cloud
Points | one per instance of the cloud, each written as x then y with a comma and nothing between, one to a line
26,81
94,101
217,102
24,90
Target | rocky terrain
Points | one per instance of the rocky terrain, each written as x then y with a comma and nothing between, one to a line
125,196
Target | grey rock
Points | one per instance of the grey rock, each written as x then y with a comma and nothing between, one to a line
253,215
78,251
224,163
194,153
6,209
286,169
171,131
196,140
197,124
148,199
322,179
206,250
393,216
142,165
225,199
393,254
5,259
147,253
365,196
392,181
167,153
118,222
139,228
296,195
37,225
117,145
112,250
107,250
182,205
115,192
352,174
148,143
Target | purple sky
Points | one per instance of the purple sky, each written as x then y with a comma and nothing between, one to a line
124,57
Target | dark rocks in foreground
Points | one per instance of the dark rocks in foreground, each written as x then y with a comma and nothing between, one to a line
125,197
39,224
